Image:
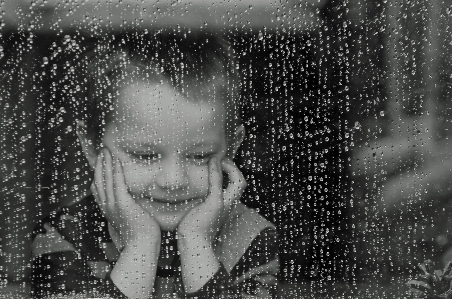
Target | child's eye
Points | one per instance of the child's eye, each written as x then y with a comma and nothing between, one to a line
145,158
200,158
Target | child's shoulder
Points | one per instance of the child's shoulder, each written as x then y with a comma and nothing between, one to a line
247,218
85,211
71,251
76,227
244,229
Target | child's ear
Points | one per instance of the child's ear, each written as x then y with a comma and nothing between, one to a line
237,140
87,145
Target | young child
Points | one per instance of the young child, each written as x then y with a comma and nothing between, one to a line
164,218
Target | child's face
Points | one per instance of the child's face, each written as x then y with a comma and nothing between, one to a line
165,142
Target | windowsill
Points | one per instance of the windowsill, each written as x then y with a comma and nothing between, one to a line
97,16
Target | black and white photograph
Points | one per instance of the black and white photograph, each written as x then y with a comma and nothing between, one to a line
239,149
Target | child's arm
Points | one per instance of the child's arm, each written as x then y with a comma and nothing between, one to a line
255,275
68,260
135,270
199,227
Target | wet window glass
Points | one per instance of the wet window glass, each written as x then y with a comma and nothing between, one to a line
225,149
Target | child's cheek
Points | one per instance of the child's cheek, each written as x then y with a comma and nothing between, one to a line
128,175
133,177
199,179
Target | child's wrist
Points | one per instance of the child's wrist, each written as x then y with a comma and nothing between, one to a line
136,267
197,238
190,242
198,234
197,256
141,241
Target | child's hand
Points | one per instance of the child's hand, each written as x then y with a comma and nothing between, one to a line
206,219
129,220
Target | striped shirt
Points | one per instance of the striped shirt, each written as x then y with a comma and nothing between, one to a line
73,255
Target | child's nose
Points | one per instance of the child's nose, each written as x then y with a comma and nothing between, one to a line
173,176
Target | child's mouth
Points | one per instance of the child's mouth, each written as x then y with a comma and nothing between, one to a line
172,203
164,205
162,201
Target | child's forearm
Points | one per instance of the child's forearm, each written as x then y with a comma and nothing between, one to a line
198,262
135,271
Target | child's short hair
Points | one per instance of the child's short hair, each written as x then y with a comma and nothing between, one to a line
199,65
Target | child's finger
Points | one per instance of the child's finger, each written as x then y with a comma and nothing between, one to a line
120,183
95,194
98,186
215,180
109,185
237,183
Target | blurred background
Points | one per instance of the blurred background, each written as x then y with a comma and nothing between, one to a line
347,115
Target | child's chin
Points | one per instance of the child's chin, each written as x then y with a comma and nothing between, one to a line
168,224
